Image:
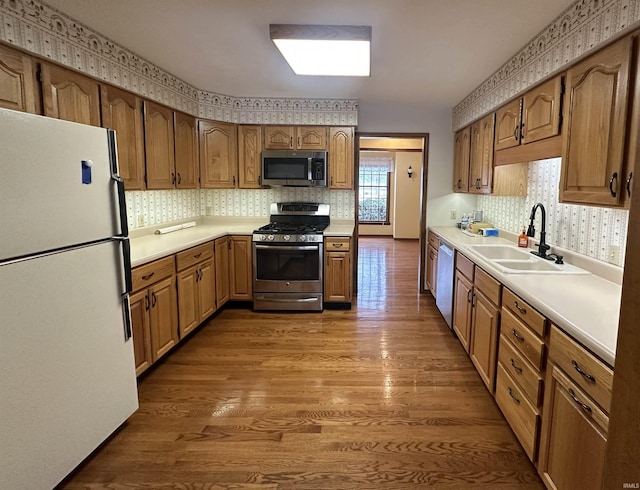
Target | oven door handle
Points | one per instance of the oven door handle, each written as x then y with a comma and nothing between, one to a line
287,300
286,247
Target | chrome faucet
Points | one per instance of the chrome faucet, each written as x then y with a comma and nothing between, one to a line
531,231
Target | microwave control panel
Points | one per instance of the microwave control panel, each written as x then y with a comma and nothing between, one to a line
318,170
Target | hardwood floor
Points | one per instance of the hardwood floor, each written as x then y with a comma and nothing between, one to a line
381,396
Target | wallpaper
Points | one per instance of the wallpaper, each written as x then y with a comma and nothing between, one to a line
40,29
588,230
146,208
582,27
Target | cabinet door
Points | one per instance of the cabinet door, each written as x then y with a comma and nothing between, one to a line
574,436
278,137
159,144
594,128
540,112
17,83
432,269
141,331
341,158
311,138
462,145
240,271
188,300
163,316
508,125
122,111
484,338
185,147
337,277
249,157
70,96
206,289
481,166
218,155
221,252
462,309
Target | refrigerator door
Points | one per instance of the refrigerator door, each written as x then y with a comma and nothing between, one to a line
67,373
49,199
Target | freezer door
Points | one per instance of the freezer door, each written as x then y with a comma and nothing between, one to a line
49,199
67,373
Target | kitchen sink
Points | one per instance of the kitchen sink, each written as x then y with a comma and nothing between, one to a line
496,252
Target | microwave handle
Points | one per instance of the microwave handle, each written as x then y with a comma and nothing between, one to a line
309,169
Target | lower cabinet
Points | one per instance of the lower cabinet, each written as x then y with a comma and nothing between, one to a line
337,270
240,268
484,338
221,254
462,309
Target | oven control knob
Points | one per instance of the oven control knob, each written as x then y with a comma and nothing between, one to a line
263,237
302,238
287,237
271,238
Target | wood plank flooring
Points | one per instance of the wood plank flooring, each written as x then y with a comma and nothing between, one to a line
381,396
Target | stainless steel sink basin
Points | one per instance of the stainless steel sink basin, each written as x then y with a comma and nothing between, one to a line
497,252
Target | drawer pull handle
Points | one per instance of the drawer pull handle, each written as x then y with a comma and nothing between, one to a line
338,245
517,335
148,276
584,407
513,364
520,308
197,255
517,400
586,375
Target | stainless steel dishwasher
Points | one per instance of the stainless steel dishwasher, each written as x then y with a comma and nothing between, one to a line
444,284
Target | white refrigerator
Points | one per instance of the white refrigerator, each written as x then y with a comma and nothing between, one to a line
67,375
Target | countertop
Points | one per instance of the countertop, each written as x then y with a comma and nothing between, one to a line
587,307
146,246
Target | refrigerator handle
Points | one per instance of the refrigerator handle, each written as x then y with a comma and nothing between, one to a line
126,306
122,203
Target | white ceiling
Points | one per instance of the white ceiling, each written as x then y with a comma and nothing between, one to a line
424,52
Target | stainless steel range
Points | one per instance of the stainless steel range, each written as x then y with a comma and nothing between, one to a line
287,257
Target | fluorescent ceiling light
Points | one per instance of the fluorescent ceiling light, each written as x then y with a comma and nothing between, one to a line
324,50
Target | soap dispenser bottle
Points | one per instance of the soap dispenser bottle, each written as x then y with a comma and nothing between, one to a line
523,239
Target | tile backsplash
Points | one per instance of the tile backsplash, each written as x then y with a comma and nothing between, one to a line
147,208
588,230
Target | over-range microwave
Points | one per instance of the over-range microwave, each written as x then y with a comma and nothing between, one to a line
299,168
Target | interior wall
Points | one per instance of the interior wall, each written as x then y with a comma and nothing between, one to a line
407,196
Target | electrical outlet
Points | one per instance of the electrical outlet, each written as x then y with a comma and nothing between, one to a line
140,220
207,210
453,215
613,257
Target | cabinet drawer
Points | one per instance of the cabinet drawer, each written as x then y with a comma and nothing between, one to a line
521,415
339,244
528,379
491,288
524,311
434,241
588,372
194,255
524,340
148,274
464,265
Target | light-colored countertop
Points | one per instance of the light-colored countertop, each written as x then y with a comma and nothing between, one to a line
587,307
146,246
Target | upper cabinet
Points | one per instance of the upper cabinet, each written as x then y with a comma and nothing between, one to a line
481,156
295,138
159,143
508,125
17,81
122,111
462,145
185,135
341,157
70,96
594,128
249,157
218,154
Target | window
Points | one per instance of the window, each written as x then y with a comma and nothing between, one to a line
373,197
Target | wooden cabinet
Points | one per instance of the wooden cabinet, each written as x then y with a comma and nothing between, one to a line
481,156
218,154
594,130
70,96
249,157
240,268
17,81
341,157
432,263
462,293
461,148
337,270
186,161
508,122
154,312
122,111
295,138
221,254
196,286
159,144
